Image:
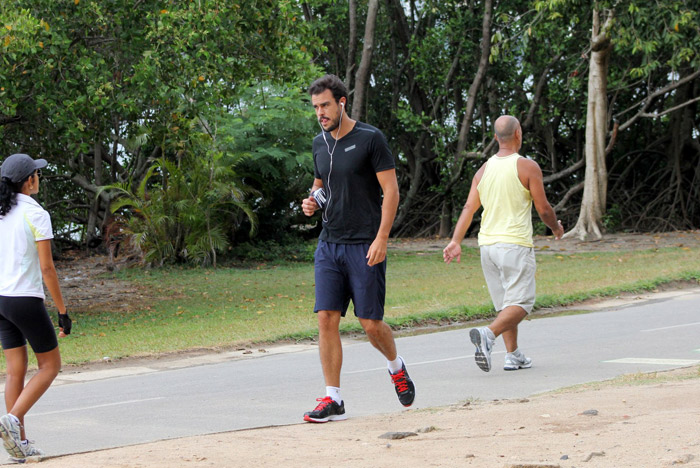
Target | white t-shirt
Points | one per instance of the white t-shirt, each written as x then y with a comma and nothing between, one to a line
20,229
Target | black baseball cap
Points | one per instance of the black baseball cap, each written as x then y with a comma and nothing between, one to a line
20,166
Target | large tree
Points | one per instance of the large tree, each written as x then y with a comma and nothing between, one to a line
645,51
595,187
103,89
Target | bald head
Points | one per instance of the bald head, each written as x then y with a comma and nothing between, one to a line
506,127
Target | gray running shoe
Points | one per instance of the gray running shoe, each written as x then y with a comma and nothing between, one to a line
483,344
32,453
515,363
31,450
10,432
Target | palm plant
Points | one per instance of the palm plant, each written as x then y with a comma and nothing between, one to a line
185,210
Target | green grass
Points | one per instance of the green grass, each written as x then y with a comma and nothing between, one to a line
204,308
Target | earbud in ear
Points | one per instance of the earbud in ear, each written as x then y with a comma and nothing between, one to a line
342,104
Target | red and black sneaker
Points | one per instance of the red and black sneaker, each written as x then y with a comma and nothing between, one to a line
404,387
326,410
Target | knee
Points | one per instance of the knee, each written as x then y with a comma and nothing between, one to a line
328,320
373,327
17,368
17,371
50,367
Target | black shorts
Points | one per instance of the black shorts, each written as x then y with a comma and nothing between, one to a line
341,273
25,319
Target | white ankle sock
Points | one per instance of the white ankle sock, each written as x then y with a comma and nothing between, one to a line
395,365
334,392
14,418
517,353
490,334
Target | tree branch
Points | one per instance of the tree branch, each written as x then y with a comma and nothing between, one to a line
672,109
613,138
659,92
570,193
565,172
6,120
539,90
352,42
361,77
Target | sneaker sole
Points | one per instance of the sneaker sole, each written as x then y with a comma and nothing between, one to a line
408,404
412,399
517,367
335,417
9,443
31,459
479,355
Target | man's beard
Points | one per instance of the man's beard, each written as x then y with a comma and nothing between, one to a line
334,125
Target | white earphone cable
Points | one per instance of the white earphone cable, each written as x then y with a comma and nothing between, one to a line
324,215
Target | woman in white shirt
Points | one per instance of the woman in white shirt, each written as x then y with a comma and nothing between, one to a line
25,259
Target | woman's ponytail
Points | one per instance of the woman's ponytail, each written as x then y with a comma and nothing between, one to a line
8,194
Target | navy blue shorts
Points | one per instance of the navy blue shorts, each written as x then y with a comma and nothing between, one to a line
341,274
25,319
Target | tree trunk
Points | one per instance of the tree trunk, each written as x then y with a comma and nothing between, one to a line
93,214
352,44
463,138
589,224
446,218
362,75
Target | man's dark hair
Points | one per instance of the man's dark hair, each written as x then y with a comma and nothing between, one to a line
331,82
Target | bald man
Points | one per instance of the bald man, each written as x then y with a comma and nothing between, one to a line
507,186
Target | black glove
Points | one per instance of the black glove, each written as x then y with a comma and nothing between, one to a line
65,322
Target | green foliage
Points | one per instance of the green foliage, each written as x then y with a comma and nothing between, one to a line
232,178
612,219
538,227
183,211
269,133
77,76
144,83
284,249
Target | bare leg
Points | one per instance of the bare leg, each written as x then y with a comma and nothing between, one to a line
16,359
330,347
510,338
381,337
506,324
22,397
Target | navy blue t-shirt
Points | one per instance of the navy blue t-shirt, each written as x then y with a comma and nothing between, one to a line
354,207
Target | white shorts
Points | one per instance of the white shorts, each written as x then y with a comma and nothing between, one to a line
509,270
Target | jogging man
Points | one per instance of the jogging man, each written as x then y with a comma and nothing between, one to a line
353,167
507,185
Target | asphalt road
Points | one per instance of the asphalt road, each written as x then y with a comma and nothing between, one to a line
225,392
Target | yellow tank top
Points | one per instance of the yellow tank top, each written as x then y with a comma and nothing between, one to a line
507,215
